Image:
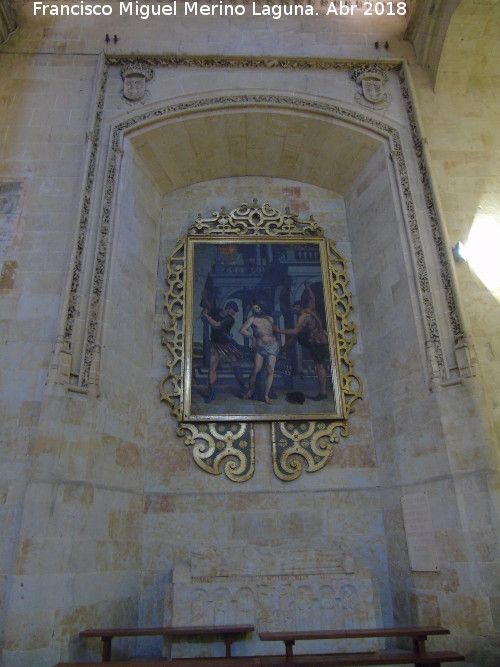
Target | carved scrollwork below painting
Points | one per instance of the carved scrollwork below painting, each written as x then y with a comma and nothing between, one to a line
227,446
300,444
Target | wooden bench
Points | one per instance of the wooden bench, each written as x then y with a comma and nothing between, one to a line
418,656
228,633
431,659
176,662
332,660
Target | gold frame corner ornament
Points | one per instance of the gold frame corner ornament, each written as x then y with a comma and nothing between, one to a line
222,446
226,443
299,444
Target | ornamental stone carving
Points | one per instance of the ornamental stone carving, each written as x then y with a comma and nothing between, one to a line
371,81
135,74
272,588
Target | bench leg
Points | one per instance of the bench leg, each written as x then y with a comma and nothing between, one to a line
289,650
106,648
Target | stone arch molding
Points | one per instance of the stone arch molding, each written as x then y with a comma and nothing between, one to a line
76,357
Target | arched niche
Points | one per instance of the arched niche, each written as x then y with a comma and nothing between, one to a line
275,136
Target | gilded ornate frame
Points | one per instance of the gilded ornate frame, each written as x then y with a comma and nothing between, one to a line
219,258
227,440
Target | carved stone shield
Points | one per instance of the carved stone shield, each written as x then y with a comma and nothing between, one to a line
134,87
372,86
372,82
135,75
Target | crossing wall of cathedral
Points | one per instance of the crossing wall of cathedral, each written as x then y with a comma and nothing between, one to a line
101,499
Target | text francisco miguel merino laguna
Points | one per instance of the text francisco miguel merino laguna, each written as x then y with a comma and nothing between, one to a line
186,8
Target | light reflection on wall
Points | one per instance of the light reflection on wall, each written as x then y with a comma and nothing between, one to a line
483,251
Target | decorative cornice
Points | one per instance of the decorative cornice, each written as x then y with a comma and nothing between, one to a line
444,268
93,138
264,62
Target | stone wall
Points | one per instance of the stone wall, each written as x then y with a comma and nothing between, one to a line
100,497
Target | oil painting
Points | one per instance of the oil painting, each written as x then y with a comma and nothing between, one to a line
259,333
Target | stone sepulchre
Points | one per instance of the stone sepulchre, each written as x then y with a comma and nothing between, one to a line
273,589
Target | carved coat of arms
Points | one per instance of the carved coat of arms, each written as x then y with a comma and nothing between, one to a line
135,75
371,92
